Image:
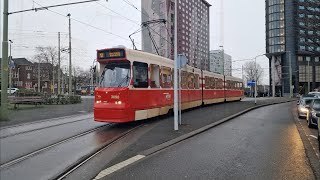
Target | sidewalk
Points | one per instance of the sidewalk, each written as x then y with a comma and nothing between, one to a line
48,112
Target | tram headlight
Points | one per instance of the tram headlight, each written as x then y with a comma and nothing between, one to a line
98,102
118,102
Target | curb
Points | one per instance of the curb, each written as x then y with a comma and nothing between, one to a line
203,129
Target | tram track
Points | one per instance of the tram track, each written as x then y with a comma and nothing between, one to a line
14,130
82,161
58,160
24,157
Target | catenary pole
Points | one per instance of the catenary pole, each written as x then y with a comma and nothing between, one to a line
59,61
4,64
176,111
256,78
70,67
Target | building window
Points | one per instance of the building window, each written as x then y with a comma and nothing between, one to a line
317,74
300,58
302,48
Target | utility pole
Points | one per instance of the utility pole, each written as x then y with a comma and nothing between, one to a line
70,68
39,76
4,64
91,79
52,77
256,78
176,112
59,73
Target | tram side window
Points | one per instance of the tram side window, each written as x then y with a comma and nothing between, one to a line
216,83
140,75
196,81
155,76
191,81
184,80
166,77
220,83
207,82
211,82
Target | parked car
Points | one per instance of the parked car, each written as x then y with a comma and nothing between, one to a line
302,103
313,109
13,90
315,93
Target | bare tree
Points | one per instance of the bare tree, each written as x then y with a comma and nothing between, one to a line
48,55
251,72
82,76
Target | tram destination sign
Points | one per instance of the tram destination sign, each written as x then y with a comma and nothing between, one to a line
111,54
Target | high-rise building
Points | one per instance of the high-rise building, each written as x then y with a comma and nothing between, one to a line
220,62
293,35
193,29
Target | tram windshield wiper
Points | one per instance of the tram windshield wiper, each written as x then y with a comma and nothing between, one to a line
102,77
125,79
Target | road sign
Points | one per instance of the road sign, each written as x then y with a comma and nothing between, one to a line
11,63
182,61
251,83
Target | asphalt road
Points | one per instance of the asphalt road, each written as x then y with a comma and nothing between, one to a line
261,144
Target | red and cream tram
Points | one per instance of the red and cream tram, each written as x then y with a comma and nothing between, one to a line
136,85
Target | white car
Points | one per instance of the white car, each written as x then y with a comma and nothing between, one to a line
13,90
302,106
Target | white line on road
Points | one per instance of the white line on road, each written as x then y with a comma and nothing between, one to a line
118,166
313,136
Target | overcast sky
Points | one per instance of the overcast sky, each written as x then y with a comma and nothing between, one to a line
107,24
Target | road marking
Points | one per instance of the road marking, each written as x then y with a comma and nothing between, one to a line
313,136
118,166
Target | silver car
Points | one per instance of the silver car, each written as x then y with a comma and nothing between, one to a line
303,104
313,108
